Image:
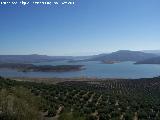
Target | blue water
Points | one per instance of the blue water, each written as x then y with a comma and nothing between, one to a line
93,69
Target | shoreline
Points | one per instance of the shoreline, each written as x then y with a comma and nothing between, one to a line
56,80
59,80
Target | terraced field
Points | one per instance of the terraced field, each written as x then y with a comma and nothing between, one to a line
94,100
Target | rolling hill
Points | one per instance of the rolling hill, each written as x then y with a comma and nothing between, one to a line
31,58
157,52
155,60
123,55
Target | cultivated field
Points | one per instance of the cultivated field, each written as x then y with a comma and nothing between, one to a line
121,99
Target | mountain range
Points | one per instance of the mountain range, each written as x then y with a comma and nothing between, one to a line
31,58
157,52
155,60
123,55
140,57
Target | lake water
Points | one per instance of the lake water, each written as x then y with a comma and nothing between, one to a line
93,69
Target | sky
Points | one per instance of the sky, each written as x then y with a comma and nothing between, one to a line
85,28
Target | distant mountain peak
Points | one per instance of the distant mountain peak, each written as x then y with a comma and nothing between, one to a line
124,55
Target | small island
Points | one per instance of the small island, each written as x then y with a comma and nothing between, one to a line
110,62
40,68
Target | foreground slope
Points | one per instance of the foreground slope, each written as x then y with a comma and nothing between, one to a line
91,100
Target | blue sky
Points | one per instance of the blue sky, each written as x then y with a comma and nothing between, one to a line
88,27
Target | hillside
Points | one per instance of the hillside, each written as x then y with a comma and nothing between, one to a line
81,100
123,55
155,60
157,52
31,58
41,68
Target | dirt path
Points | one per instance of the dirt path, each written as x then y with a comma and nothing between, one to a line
91,98
122,116
135,116
58,112
98,100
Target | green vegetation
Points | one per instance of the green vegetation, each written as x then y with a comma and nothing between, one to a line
81,100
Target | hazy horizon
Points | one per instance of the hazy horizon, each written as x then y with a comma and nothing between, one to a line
86,54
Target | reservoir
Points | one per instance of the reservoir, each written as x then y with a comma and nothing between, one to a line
93,69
